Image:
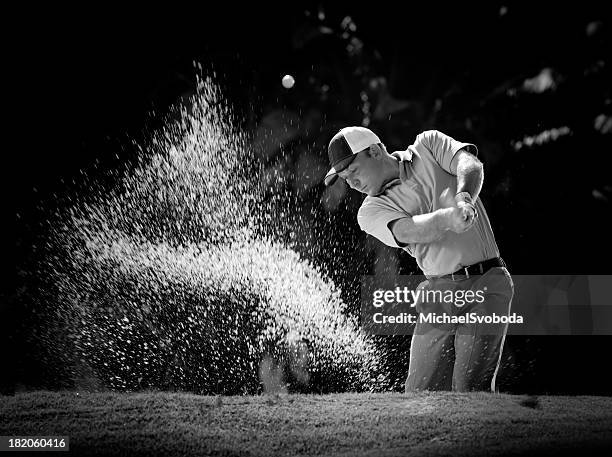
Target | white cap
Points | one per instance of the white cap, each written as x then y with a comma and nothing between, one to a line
347,143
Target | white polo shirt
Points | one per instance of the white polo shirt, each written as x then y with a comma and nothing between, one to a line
424,173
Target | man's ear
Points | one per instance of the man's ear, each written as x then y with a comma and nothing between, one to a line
376,151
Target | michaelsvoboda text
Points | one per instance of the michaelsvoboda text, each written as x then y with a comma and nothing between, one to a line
443,318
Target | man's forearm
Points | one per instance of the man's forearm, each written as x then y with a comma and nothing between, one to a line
470,175
422,228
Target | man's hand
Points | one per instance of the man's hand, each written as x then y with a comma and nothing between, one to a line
459,216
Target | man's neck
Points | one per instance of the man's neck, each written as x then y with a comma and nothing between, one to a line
392,171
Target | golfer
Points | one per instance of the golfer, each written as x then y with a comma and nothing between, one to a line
425,200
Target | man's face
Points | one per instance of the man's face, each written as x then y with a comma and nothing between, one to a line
364,174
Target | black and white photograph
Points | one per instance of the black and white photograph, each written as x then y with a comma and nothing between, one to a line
308,229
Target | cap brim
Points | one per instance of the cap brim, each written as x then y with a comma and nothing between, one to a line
331,177
332,174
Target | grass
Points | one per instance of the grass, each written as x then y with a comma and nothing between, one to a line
388,424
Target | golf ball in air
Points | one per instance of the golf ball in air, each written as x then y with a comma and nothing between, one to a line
288,81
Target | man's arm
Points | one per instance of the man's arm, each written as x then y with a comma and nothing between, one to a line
429,227
470,175
469,172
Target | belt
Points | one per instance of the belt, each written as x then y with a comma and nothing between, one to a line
479,268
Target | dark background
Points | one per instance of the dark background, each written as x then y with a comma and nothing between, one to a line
96,80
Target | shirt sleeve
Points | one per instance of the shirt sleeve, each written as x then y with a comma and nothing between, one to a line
374,219
443,148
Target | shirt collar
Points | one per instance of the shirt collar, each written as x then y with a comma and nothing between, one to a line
403,156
